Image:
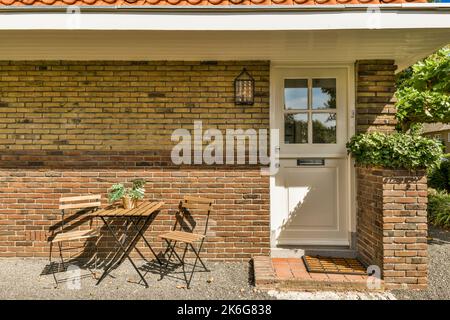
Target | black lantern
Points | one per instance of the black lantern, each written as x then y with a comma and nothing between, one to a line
244,89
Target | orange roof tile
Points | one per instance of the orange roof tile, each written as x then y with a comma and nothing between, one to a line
193,2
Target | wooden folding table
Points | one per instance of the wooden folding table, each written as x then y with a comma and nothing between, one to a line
145,212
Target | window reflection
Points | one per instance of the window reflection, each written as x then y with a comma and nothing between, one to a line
296,128
324,127
324,94
296,94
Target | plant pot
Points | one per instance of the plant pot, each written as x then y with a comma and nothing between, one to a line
128,203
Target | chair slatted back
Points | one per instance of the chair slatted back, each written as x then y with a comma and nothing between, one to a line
194,205
80,202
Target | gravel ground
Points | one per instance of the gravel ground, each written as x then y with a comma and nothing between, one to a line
439,269
225,281
22,279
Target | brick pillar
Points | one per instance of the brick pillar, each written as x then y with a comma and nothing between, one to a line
392,225
375,83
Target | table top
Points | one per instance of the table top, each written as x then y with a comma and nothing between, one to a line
143,209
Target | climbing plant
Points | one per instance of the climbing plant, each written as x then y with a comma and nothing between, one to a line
423,94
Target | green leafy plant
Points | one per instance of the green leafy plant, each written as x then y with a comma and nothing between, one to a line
439,208
119,191
116,192
423,91
439,175
395,151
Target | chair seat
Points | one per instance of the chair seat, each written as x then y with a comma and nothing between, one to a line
76,235
186,237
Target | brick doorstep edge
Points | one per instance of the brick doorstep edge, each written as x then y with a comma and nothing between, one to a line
266,279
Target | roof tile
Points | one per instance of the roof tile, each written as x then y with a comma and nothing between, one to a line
193,2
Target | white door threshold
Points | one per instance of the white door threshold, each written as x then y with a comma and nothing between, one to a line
298,252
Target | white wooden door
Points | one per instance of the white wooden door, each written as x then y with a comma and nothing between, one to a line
311,189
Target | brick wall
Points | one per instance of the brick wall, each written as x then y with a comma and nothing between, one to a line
392,225
121,106
239,221
375,81
70,128
369,233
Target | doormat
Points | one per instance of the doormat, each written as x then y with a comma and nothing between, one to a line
320,264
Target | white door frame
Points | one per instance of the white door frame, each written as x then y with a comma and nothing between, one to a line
350,118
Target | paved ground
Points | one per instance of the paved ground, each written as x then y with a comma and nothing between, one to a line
331,295
439,276
20,279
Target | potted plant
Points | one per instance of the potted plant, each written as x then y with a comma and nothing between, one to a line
128,195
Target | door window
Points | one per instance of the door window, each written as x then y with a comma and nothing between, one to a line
310,111
324,127
296,94
296,128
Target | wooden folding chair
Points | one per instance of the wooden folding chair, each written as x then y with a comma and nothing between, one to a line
83,205
184,232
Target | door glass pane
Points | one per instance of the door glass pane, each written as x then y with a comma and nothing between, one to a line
296,94
324,127
324,94
296,128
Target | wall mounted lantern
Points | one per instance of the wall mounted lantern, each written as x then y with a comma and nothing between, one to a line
244,89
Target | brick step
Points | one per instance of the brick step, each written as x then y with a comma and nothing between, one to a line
291,274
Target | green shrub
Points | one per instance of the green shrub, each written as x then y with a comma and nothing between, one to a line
395,151
439,175
423,91
439,208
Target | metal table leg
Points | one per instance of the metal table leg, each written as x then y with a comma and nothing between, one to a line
125,253
116,254
129,221
139,230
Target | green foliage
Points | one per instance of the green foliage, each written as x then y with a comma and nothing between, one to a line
137,190
323,133
396,151
439,175
423,91
439,208
118,191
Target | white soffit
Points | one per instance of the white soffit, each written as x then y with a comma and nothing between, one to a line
332,35
343,46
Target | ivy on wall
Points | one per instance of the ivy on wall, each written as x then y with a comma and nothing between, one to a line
396,151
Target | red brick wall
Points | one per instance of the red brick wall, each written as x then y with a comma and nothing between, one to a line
239,221
71,128
392,225
369,224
